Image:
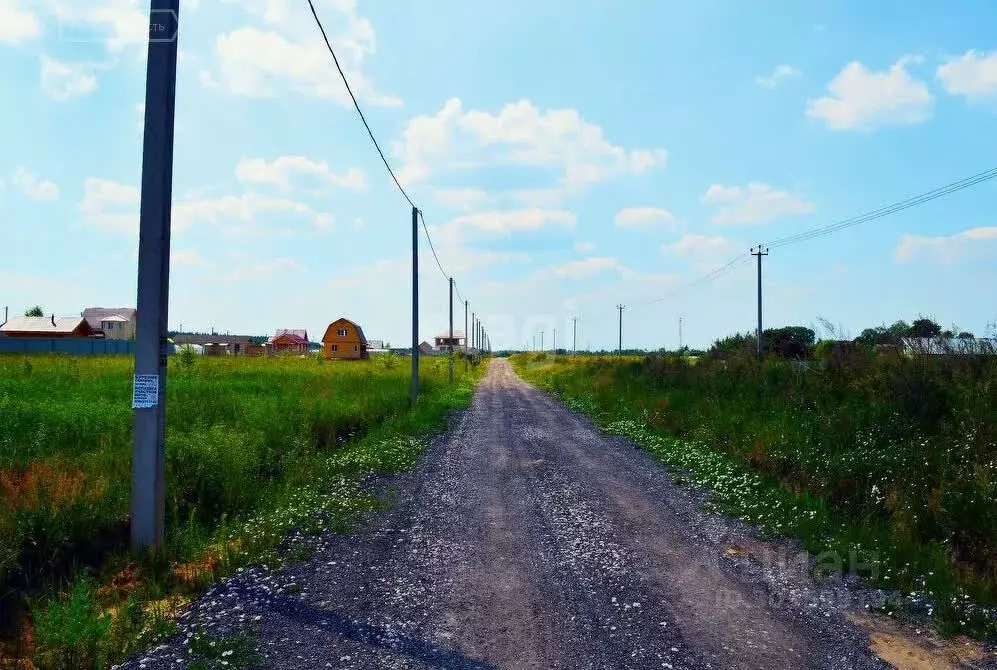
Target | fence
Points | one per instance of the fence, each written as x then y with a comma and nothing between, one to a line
80,346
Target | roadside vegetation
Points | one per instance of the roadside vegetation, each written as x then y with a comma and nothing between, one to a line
256,449
878,456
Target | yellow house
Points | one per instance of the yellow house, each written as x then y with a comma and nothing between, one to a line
344,339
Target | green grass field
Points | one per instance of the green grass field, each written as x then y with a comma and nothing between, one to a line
255,448
893,458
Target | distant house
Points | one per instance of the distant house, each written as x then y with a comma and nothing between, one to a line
215,344
443,340
47,326
116,323
375,345
344,339
294,341
426,348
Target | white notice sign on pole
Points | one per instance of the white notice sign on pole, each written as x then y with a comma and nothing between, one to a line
146,391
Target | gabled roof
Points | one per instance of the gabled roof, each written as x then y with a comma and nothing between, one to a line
94,315
343,319
42,324
298,336
446,334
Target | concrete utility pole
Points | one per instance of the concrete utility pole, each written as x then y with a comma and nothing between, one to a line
450,343
574,335
554,344
149,390
534,342
415,307
680,333
466,333
474,327
759,253
621,308
541,340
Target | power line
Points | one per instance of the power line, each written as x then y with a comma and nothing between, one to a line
357,105
431,247
928,196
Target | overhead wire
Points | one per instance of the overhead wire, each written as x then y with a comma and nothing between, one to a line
377,146
901,205
356,104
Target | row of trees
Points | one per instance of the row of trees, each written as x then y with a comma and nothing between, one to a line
799,342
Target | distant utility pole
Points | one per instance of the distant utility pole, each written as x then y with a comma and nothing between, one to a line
415,307
534,342
148,492
541,340
680,333
759,253
574,335
466,333
621,308
474,327
554,344
450,343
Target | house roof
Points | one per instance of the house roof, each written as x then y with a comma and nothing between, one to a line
42,324
94,315
446,334
206,338
363,338
298,336
114,319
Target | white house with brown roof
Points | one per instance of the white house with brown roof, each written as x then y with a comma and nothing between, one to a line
117,323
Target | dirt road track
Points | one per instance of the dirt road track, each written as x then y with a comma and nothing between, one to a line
527,539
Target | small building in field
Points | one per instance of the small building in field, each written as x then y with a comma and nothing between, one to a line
116,323
215,344
446,343
284,341
426,349
344,339
47,326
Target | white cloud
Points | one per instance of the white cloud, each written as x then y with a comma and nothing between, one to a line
700,247
260,270
188,258
519,134
584,247
580,269
283,172
110,206
17,24
62,81
973,75
113,207
946,248
288,54
642,217
115,23
505,222
33,187
242,209
756,203
861,98
780,73
461,198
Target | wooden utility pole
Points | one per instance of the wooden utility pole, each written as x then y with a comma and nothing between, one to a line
621,308
759,253
450,342
415,307
148,492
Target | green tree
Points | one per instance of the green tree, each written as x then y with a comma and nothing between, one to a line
924,327
35,311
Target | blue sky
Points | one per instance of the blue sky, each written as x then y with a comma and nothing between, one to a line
568,156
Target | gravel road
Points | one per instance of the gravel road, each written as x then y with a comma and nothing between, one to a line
528,539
